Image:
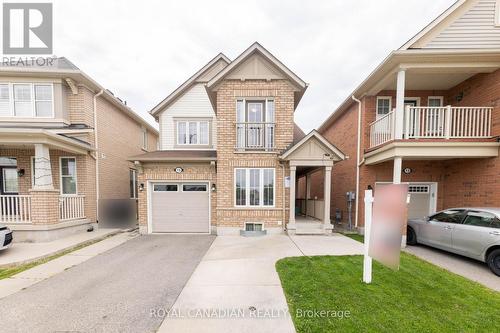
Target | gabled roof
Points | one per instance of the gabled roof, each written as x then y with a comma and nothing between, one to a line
257,48
187,84
332,150
433,24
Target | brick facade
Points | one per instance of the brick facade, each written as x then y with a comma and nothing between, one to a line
461,182
120,137
228,159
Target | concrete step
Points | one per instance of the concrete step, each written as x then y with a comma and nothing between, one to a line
309,231
309,225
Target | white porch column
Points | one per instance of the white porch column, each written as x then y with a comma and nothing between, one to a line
293,170
42,168
396,176
326,196
308,189
400,105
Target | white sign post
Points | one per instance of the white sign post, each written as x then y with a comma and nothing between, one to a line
367,260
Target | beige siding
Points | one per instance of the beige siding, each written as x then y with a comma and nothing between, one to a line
194,103
473,29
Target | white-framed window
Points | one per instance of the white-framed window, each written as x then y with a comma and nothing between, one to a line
254,187
435,101
133,183
384,104
27,100
193,132
67,170
497,13
144,138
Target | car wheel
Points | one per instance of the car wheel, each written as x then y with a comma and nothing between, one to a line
411,236
493,261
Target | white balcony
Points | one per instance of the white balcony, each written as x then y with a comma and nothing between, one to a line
255,136
446,122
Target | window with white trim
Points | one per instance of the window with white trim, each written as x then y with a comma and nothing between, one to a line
254,187
68,175
193,132
497,13
144,134
435,101
133,183
26,100
383,105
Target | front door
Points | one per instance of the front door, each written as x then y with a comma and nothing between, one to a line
8,181
414,125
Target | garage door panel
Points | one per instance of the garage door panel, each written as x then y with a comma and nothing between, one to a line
180,211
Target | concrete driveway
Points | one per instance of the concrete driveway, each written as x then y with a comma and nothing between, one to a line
236,288
116,291
469,268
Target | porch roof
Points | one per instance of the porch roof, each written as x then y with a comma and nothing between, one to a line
313,150
31,136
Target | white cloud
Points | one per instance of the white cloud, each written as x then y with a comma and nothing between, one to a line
142,50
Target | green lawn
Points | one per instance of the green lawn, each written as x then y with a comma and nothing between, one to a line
420,297
358,237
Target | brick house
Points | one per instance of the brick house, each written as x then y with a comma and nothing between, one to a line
64,143
230,152
428,115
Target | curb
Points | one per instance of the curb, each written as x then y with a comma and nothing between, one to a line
67,248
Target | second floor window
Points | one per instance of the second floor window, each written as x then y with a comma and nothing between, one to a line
255,124
26,100
383,106
144,133
192,133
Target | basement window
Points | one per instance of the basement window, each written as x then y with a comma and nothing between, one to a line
253,226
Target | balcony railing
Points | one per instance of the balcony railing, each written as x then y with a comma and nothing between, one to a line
71,207
382,130
15,209
255,136
445,122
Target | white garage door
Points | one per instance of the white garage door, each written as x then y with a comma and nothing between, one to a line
180,207
420,200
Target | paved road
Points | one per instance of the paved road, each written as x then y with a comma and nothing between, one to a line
112,292
469,268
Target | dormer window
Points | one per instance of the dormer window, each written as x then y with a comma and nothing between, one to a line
26,100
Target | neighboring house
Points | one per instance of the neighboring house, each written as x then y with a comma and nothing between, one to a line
429,115
64,143
228,158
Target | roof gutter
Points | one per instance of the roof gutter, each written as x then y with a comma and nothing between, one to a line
96,144
358,157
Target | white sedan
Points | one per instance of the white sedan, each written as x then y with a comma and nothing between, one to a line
5,237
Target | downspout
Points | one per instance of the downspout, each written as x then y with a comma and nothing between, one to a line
96,145
358,162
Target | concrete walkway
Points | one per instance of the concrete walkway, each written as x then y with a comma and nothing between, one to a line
20,253
236,282
469,268
41,272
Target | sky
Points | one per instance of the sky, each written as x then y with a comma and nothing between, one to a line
143,50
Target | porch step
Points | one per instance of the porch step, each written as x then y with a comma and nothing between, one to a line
309,232
309,228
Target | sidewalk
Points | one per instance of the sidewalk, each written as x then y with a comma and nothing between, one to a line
238,274
23,253
44,271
